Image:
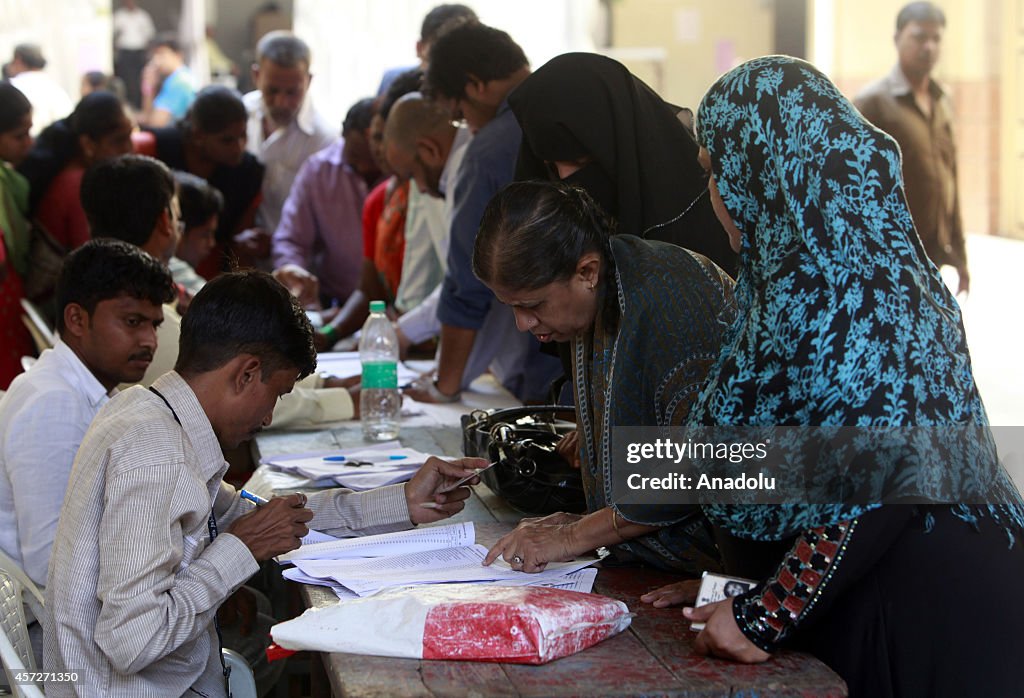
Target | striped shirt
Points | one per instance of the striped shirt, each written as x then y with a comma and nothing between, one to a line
135,580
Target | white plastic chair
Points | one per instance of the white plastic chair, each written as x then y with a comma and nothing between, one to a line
15,646
38,327
241,684
12,568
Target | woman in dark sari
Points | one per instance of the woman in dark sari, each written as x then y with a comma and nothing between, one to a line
906,583
643,321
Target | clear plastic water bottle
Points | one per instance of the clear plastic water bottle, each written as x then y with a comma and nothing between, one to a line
380,402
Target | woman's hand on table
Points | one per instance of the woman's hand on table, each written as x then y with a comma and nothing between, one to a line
721,637
673,594
429,494
533,545
559,517
569,448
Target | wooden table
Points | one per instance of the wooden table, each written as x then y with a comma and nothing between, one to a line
654,657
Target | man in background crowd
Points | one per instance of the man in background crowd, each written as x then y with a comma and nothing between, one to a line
49,100
133,30
319,241
284,128
168,87
912,107
472,70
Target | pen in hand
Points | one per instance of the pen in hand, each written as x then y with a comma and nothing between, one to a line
254,498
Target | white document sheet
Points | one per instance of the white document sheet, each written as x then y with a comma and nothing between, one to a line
388,458
397,543
580,580
368,576
345,364
372,478
317,538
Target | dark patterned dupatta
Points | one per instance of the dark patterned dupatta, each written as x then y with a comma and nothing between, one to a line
843,320
645,366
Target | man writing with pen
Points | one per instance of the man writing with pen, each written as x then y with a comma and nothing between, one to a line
151,541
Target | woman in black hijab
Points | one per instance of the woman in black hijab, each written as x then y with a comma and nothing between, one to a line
590,122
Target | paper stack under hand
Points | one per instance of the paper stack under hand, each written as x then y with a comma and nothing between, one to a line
359,468
432,555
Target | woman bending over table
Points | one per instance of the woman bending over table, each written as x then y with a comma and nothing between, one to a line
645,322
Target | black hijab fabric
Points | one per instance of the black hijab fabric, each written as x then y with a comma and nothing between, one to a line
585,105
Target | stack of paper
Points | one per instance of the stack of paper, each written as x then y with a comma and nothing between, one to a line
358,468
433,555
398,543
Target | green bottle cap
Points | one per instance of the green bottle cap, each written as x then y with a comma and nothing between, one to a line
377,306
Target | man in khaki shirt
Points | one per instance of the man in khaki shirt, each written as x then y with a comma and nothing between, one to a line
138,569
912,108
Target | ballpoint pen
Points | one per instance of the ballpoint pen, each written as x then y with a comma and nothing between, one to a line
365,460
254,498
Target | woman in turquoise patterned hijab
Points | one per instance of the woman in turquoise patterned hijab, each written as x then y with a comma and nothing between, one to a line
843,322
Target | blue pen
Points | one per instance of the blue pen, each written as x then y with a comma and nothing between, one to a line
366,460
254,498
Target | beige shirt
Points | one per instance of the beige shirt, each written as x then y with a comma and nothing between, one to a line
929,161
135,580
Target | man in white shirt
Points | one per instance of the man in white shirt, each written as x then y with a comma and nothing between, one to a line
49,100
284,129
109,295
133,30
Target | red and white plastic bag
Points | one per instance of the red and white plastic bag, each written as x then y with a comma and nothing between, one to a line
484,623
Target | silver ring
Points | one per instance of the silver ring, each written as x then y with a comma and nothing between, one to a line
517,560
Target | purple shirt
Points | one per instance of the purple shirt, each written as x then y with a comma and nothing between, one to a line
321,227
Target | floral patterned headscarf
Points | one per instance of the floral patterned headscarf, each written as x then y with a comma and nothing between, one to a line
843,320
